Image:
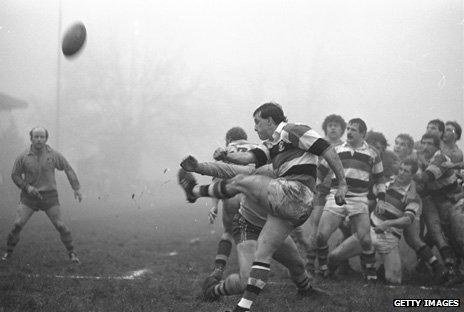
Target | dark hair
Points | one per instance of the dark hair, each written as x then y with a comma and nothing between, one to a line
37,128
361,124
457,127
406,137
372,137
272,110
235,134
440,124
336,119
411,162
436,139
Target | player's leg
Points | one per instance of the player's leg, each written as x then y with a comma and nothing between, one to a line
433,221
331,218
54,214
273,234
229,209
22,215
423,252
288,255
348,248
245,237
392,264
361,223
300,239
313,223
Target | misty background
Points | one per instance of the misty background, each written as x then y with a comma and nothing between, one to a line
158,80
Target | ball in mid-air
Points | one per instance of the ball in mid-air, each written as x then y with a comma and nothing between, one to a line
73,39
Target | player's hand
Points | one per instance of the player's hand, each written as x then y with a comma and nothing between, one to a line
78,195
212,214
380,207
220,153
189,163
34,191
380,228
340,194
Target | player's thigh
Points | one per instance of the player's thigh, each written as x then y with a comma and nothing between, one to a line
362,226
253,186
328,223
54,214
23,214
350,247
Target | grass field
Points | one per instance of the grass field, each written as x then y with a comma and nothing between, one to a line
176,245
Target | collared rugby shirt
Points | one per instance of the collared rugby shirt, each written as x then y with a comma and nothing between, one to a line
360,165
293,152
39,170
441,180
399,201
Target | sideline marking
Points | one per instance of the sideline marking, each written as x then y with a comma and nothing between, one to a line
133,275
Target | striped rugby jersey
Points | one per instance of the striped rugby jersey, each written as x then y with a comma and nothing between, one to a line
399,201
293,152
360,165
441,180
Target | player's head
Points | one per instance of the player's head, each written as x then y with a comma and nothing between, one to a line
407,170
452,132
355,131
376,139
436,127
334,127
404,145
38,136
430,143
267,117
235,134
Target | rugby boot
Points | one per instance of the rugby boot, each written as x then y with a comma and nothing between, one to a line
208,288
187,181
73,257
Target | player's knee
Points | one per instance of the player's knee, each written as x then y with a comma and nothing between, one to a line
365,241
227,236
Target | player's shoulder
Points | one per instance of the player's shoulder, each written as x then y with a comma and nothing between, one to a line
298,129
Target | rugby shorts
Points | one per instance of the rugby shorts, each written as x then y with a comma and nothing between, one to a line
49,200
354,205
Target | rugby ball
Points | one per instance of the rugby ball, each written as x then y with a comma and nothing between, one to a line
73,39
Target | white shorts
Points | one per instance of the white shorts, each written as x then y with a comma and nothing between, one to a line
290,200
385,242
354,205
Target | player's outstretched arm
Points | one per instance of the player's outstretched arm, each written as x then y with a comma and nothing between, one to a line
334,162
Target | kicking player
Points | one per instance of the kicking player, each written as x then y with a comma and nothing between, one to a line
293,151
247,226
34,174
398,211
361,162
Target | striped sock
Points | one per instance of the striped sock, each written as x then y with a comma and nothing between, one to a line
256,282
322,253
303,281
368,264
223,253
216,189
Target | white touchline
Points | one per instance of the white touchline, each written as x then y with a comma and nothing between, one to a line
130,276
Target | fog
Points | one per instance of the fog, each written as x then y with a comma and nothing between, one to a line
158,80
